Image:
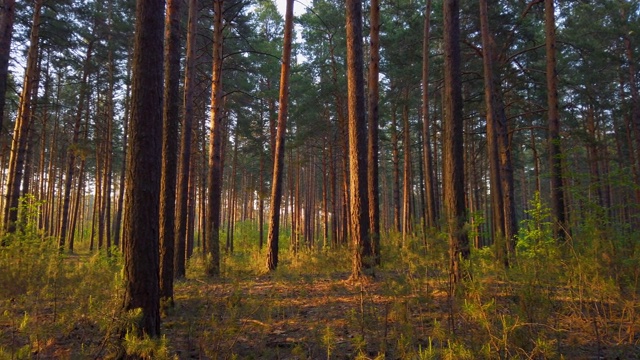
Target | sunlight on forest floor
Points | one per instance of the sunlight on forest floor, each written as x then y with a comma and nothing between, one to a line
67,307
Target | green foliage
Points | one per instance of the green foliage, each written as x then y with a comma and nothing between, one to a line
535,239
47,296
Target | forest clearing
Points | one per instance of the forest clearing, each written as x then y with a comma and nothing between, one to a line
358,179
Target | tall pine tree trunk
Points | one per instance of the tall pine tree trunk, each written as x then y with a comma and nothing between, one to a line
555,154
278,165
215,151
185,144
7,18
22,124
142,199
373,119
431,212
453,149
359,201
171,109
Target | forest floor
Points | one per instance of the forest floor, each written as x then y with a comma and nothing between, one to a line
310,309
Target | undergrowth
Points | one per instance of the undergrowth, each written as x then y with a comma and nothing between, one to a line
575,299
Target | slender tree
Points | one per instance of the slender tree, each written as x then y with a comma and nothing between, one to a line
7,17
278,164
170,121
431,213
142,199
72,151
185,144
553,115
373,119
215,148
22,124
453,150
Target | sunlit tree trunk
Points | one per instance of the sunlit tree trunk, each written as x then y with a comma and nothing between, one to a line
142,199
22,124
215,151
278,165
359,201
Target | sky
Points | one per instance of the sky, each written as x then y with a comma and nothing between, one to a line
298,6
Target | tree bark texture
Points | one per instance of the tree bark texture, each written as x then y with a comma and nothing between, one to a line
453,149
171,110
359,201
373,120
555,153
22,124
214,203
185,144
278,165
142,199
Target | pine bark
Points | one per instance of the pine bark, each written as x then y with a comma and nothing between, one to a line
171,110
431,212
22,124
359,200
7,18
278,165
185,144
373,120
555,153
214,177
142,199
453,149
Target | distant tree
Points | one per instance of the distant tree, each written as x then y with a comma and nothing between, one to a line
431,212
373,120
142,199
278,165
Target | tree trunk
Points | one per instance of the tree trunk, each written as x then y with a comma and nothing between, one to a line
215,151
431,213
453,149
71,160
373,114
22,124
120,202
359,201
7,17
500,169
395,159
142,200
555,154
185,143
407,183
278,165
171,118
